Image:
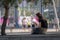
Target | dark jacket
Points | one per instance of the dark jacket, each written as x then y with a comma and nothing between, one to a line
44,23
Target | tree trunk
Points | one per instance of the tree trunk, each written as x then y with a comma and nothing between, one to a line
5,17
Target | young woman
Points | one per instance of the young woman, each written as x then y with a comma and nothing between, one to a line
41,27
43,22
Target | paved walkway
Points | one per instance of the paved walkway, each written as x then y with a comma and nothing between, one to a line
26,30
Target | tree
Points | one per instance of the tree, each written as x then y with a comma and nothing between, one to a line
35,1
6,4
46,2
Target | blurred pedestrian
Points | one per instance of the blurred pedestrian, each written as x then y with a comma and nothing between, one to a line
29,24
24,23
11,22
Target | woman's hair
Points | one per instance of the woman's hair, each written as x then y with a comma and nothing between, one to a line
39,15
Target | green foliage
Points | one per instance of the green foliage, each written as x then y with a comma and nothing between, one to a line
45,15
11,2
20,1
35,1
46,2
7,2
28,13
28,0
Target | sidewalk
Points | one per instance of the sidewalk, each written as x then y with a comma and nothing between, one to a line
26,30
